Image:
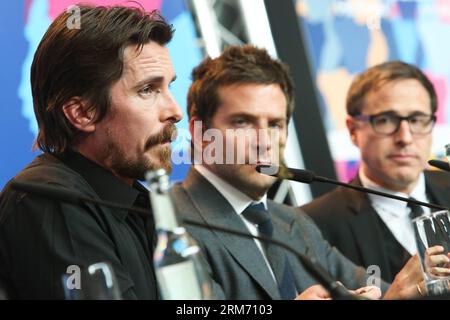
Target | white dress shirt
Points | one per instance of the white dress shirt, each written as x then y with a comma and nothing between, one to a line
239,201
394,213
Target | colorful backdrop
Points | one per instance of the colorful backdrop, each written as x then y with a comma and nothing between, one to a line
344,37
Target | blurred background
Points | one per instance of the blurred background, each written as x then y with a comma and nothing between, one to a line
325,43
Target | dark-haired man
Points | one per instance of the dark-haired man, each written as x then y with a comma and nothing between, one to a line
239,106
391,112
105,116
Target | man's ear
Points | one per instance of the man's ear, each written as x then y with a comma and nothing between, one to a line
197,128
352,126
76,111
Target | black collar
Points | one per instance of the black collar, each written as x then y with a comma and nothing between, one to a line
107,186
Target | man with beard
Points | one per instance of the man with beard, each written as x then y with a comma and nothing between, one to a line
244,98
106,116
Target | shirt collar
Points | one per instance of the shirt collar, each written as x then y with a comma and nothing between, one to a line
107,186
238,200
394,206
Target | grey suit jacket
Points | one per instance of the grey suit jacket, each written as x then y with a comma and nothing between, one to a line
235,264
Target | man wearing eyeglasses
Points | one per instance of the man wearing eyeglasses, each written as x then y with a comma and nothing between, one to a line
391,113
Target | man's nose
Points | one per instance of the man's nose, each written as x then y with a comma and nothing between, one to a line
404,134
171,109
264,138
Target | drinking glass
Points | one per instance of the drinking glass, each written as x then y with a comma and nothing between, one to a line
433,230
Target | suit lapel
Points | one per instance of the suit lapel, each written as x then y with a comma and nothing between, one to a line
283,233
215,209
365,226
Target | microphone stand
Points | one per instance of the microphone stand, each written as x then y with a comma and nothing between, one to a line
306,176
379,193
336,290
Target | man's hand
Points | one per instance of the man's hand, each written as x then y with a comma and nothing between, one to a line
405,285
316,292
369,292
409,281
437,262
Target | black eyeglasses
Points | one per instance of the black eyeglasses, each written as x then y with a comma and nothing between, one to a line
389,122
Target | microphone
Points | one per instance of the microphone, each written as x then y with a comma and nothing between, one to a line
336,290
440,164
306,176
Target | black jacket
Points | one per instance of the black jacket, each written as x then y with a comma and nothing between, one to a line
349,222
40,239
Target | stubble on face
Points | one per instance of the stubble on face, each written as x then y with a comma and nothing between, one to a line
395,161
245,177
251,107
155,154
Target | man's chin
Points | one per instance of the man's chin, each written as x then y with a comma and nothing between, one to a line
159,160
258,180
405,179
399,181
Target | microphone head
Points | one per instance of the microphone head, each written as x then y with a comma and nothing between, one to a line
439,164
268,169
303,176
299,175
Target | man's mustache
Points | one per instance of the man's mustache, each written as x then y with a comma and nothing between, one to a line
167,134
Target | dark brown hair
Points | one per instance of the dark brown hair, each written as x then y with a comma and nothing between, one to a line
236,65
84,63
374,77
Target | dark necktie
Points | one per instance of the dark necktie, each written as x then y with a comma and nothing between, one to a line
258,215
416,210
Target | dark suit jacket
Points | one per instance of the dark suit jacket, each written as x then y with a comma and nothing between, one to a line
349,222
236,264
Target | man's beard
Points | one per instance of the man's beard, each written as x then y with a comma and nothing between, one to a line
138,167
236,175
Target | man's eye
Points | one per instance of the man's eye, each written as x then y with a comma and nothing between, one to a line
420,119
276,125
415,119
383,120
148,90
240,122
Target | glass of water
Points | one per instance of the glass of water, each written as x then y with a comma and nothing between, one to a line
433,245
